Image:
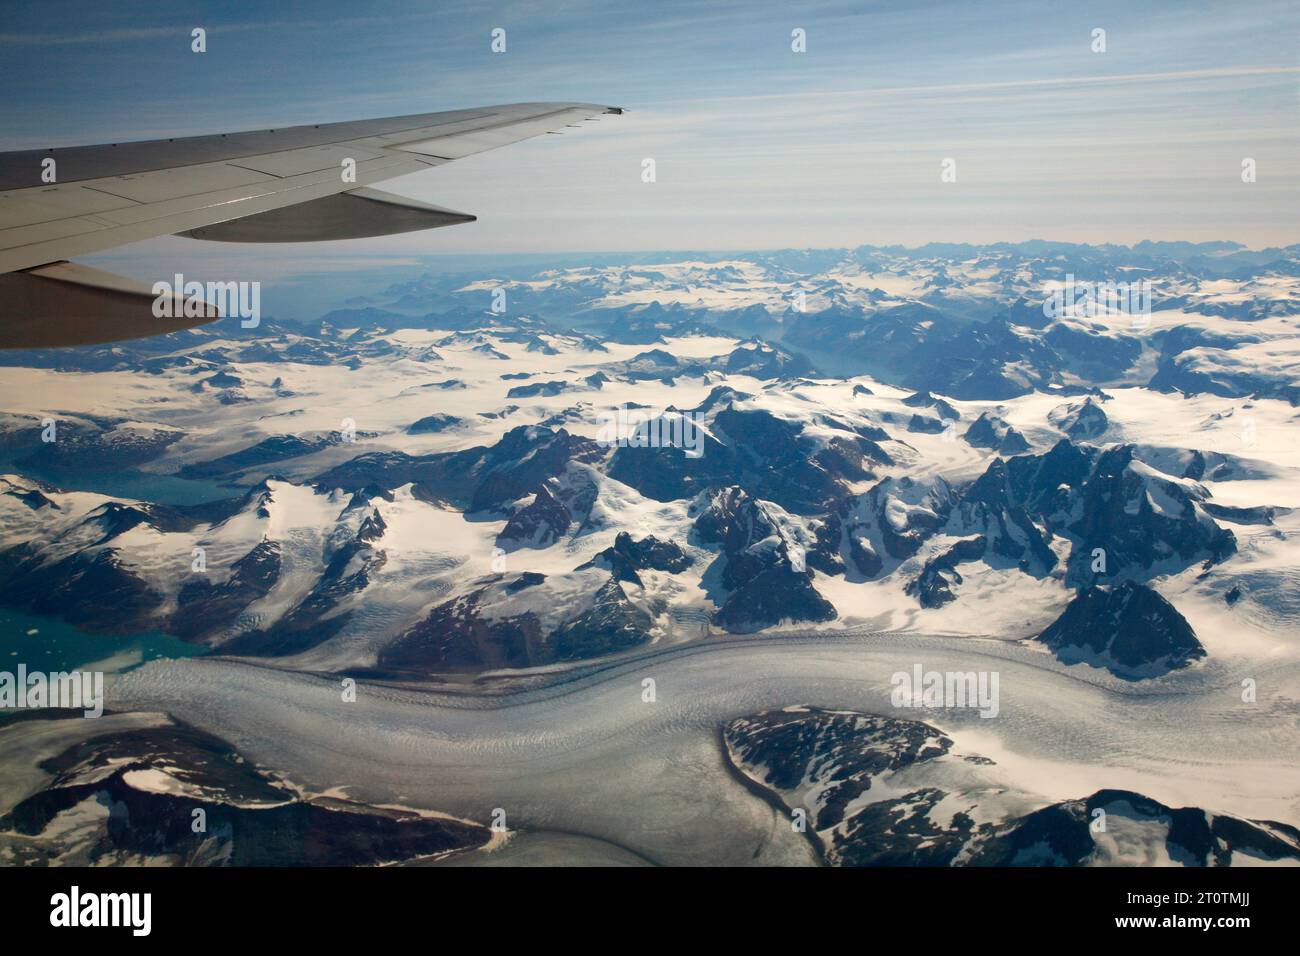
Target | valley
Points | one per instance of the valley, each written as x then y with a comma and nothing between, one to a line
429,560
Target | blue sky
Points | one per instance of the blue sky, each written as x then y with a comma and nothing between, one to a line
756,146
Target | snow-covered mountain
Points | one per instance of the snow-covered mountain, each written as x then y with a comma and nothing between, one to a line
636,462
879,791
386,480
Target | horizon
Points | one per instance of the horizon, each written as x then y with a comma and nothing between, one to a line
749,479
757,147
302,275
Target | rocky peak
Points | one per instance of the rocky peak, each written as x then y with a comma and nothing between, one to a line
1129,629
538,524
1137,520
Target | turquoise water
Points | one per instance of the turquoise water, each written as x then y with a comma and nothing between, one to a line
127,483
57,646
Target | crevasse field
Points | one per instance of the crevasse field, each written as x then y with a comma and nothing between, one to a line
433,588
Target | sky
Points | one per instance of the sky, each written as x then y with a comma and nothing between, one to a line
756,146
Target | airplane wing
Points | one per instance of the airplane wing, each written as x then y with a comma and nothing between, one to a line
296,184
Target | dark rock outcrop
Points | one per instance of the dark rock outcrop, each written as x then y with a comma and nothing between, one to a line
1129,629
933,586
539,524
923,399
250,820
626,557
1134,521
204,608
430,424
763,361
268,451
537,390
477,479
764,574
939,807
1082,422
989,508
767,455
514,623
990,431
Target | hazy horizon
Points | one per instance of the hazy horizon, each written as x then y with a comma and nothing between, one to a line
756,146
